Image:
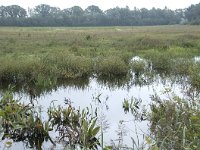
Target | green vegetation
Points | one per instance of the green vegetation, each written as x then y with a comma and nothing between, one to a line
38,60
22,123
46,15
173,122
29,55
76,127
19,122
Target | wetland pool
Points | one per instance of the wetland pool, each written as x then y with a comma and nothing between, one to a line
111,107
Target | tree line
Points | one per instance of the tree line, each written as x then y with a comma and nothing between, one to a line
46,15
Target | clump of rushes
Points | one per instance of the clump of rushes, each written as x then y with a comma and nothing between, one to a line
181,66
111,66
161,61
174,123
138,66
194,75
18,69
65,65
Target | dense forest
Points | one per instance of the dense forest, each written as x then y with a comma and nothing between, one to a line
45,15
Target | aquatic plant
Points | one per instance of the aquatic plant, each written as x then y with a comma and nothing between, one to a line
76,127
22,123
173,122
194,75
138,67
111,67
19,122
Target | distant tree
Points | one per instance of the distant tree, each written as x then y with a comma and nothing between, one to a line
192,14
93,10
15,11
45,15
94,15
55,12
76,15
113,16
125,16
136,16
3,12
42,10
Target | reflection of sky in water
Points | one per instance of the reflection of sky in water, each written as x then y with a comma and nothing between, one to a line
84,97
197,58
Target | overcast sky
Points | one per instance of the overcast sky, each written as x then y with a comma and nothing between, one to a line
103,4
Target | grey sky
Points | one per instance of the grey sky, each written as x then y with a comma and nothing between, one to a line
103,4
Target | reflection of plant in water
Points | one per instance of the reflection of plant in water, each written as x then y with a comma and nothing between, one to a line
76,127
135,107
20,123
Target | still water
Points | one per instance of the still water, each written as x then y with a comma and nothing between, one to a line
115,95
112,94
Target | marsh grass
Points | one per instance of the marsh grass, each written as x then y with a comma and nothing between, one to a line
111,66
138,66
66,65
173,120
64,53
194,75
170,128
17,69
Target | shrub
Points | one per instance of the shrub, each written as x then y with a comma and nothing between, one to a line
111,66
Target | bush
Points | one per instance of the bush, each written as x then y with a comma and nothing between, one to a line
111,66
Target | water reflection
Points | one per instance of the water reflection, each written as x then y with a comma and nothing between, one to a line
83,97
35,90
82,92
